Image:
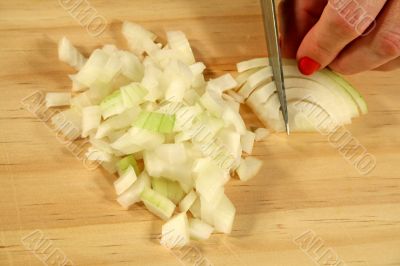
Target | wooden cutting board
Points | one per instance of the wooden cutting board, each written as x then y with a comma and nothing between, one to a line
307,203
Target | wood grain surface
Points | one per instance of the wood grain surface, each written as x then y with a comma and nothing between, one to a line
308,201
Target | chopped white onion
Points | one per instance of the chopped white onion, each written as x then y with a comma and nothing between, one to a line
55,99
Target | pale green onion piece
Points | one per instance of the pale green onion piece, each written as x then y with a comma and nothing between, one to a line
133,94
156,122
261,134
132,194
137,139
248,168
91,118
125,180
69,123
252,63
69,54
175,232
178,42
247,141
157,204
125,162
199,230
168,188
54,99
187,201
112,105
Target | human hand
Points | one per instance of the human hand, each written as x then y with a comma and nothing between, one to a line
349,36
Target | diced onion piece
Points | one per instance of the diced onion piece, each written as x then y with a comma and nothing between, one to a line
69,54
199,230
133,94
224,215
175,232
54,99
251,64
110,165
132,194
213,102
91,117
178,42
157,204
76,86
234,118
131,67
261,134
187,201
117,122
247,141
156,122
125,181
135,35
210,178
123,164
98,155
81,100
168,188
68,123
151,82
138,139
248,168
223,83
92,69
238,98
195,208
112,105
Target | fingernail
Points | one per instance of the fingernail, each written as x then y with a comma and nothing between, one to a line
308,66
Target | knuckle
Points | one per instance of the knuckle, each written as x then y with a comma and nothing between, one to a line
388,45
342,27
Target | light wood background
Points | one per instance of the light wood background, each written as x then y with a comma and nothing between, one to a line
305,183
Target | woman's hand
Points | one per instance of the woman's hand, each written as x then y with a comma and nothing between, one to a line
349,36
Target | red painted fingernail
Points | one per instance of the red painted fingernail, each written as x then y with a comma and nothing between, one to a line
307,66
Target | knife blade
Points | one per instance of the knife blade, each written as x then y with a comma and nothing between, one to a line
274,54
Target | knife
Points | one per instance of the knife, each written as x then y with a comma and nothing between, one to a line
274,54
